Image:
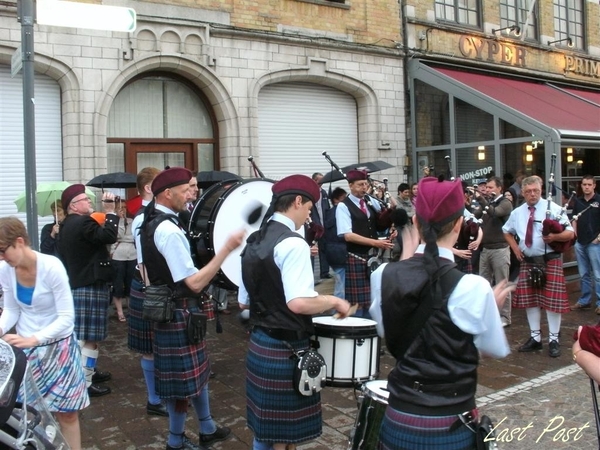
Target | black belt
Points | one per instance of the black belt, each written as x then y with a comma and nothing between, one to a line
185,303
542,259
281,334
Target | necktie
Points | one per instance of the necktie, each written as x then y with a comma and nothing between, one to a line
363,207
529,233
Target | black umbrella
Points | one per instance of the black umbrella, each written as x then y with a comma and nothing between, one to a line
114,180
370,167
207,178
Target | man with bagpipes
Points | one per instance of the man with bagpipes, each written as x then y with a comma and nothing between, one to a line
541,283
358,218
586,223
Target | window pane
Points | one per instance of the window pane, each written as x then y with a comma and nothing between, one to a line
115,157
186,115
206,160
432,116
472,124
160,159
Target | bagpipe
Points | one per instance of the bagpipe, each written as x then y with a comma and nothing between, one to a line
554,225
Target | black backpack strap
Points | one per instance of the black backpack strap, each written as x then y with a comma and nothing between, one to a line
443,283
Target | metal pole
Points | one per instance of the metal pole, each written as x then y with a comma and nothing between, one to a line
27,19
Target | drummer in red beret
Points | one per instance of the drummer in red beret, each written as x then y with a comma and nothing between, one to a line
168,263
278,287
436,322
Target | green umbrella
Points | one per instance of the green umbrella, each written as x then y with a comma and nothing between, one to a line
45,195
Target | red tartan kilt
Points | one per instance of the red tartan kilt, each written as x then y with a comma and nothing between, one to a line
553,297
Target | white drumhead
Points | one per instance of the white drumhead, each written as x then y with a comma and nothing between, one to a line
346,322
233,214
377,389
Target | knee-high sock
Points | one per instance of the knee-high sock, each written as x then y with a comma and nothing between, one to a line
554,320
88,361
534,318
176,424
148,369
202,406
259,445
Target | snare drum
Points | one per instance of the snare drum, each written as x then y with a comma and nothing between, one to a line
223,208
371,410
350,347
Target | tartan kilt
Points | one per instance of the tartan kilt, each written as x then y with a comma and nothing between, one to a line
91,311
275,411
181,369
58,374
139,332
402,431
553,297
358,282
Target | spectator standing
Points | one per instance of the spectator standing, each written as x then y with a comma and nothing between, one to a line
38,301
322,206
587,246
50,231
404,201
124,260
494,259
83,248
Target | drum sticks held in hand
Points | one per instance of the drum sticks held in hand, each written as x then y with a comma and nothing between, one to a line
351,311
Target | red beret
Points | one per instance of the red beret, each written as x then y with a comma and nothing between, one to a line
171,177
356,175
439,201
70,193
297,184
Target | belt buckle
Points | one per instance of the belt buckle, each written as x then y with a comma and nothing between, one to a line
417,386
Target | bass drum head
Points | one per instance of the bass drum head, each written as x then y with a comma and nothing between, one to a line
222,209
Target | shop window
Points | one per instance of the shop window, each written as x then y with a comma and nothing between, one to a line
431,115
569,22
515,12
472,124
464,12
510,131
433,163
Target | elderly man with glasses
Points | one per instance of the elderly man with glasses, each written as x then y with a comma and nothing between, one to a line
82,247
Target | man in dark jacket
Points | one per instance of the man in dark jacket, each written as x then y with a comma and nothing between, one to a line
82,246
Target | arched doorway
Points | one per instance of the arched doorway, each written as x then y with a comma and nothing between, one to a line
160,119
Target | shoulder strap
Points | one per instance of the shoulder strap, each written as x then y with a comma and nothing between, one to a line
441,286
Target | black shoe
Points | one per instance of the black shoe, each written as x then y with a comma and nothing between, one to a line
326,276
100,376
221,434
98,391
554,349
187,445
530,346
211,375
156,410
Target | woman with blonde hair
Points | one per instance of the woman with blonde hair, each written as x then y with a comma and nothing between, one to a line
39,303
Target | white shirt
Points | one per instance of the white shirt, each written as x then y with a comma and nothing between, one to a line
171,242
292,257
471,305
342,213
517,224
51,314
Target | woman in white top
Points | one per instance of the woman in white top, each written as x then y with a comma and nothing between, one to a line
39,303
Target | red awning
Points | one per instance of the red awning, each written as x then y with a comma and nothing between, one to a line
561,109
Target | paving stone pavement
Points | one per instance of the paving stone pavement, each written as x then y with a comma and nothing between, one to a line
518,390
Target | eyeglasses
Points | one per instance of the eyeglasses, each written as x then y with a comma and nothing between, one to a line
3,250
86,199
532,191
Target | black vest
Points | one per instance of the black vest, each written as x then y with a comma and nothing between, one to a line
154,262
361,225
262,279
438,373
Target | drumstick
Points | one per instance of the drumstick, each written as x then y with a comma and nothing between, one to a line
351,311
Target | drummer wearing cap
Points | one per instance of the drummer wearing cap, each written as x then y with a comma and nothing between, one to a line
436,321
356,219
278,287
181,367
82,247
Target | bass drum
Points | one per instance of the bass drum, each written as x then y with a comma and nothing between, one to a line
223,208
